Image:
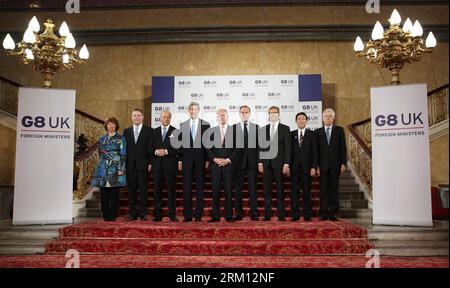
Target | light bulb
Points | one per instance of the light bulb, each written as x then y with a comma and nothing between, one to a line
29,54
359,45
407,26
395,18
84,53
28,36
70,41
65,58
417,29
34,24
431,41
377,32
8,42
64,29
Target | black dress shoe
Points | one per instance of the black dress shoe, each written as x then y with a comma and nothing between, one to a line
156,219
281,219
308,219
214,220
323,218
266,218
187,220
144,218
198,219
295,219
229,220
132,218
254,218
333,218
174,219
237,218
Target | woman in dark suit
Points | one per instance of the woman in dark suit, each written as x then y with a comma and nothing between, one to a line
110,172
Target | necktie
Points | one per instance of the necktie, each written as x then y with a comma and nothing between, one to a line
222,133
164,133
136,134
300,140
272,131
328,135
193,130
245,135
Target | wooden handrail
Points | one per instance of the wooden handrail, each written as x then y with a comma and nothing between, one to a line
439,89
351,128
93,118
10,82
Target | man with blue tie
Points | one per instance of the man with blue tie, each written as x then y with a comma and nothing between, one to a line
332,162
164,167
193,161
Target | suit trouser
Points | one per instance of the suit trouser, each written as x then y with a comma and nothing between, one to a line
138,185
329,192
251,179
187,192
301,179
219,174
159,177
271,174
110,202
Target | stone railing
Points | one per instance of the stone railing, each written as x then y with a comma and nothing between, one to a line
361,136
85,160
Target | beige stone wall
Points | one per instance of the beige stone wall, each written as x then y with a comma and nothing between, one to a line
8,155
118,78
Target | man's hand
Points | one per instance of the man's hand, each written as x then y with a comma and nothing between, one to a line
217,161
318,171
261,169
206,164
313,172
286,170
149,168
180,166
160,152
343,168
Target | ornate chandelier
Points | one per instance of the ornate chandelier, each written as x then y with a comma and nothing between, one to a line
46,52
396,46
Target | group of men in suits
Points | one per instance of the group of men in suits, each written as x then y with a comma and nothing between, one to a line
233,152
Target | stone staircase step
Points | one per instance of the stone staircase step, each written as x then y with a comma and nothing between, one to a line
12,250
26,234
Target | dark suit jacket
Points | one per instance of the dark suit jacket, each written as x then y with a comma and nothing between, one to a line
169,162
190,155
334,155
224,151
283,135
306,157
139,154
242,154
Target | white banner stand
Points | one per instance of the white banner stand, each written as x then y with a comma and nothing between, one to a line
44,157
401,156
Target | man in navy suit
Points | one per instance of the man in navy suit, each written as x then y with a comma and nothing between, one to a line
222,157
193,161
164,167
274,168
247,158
332,162
139,156
303,166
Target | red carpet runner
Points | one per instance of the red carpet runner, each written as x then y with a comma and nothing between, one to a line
244,244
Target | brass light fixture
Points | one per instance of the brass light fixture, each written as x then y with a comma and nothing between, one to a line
396,46
46,52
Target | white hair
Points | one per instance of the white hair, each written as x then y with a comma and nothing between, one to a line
329,110
194,104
